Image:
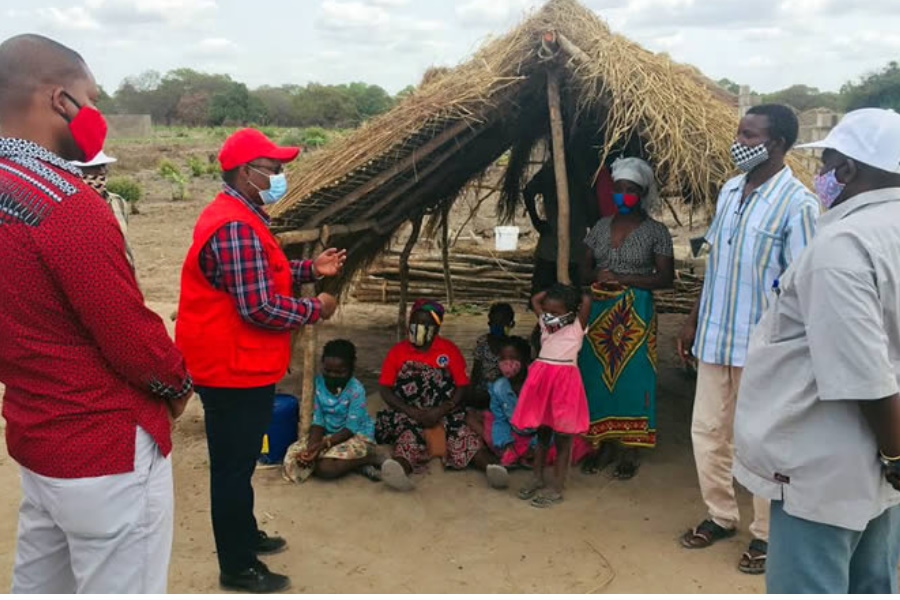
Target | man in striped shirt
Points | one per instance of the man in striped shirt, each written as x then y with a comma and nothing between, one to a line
764,219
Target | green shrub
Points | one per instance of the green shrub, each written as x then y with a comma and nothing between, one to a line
292,138
171,173
129,189
168,170
197,166
315,137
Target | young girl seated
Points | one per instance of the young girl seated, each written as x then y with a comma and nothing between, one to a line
342,436
553,400
512,446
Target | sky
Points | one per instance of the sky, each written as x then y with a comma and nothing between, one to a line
767,44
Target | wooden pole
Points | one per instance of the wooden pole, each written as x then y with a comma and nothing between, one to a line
404,275
309,336
562,178
445,251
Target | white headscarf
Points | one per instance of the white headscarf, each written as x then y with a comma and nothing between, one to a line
638,171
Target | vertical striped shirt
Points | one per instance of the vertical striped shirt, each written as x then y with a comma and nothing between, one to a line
751,244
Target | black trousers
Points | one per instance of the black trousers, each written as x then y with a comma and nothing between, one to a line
236,421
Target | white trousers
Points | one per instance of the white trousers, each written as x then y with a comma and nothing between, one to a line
712,431
95,535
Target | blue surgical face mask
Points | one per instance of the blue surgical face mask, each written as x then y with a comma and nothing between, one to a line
278,187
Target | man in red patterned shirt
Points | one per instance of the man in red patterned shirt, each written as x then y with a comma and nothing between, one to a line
235,316
92,378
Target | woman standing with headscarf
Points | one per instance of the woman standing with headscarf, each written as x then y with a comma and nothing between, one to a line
632,255
423,381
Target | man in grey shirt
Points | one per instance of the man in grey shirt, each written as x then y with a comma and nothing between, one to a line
817,429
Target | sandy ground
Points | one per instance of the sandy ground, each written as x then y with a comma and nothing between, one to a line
452,534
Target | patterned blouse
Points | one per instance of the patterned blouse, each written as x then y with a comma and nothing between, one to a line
637,254
347,410
490,362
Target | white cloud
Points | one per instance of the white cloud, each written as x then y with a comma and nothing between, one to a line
352,15
175,13
723,14
492,12
670,41
75,18
389,2
757,62
215,48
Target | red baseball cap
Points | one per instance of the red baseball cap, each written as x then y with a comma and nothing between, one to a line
246,145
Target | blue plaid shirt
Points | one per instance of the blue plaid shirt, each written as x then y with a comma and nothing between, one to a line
751,245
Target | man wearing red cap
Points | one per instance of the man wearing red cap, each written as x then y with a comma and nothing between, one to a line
234,321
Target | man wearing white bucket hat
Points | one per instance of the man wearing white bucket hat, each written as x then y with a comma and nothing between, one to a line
94,173
817,428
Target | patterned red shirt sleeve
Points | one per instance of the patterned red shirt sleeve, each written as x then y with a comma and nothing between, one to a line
234,261
303,271
84,249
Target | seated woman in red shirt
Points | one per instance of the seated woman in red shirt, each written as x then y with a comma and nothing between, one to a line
423,381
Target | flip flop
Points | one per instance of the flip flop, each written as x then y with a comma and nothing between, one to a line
497,476
546,499
708,533
626,471
528,491
395,477
371,472
753,561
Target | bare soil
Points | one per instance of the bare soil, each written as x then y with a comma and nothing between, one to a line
452,534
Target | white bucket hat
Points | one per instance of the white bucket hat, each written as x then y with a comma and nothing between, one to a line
869,135
101,159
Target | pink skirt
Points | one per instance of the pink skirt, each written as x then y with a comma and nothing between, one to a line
553,396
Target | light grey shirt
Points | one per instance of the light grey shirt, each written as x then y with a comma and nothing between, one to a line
829,340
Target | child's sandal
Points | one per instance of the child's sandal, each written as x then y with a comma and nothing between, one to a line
528,491
546,499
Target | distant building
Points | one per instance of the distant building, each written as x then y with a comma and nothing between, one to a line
815,124
129,126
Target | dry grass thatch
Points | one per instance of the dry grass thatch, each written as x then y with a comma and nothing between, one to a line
617,95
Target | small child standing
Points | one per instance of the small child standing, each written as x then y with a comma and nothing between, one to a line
553,400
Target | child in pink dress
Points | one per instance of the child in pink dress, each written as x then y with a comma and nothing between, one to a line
553,399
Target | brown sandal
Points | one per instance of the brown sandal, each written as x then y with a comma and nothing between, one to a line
753,561
705,535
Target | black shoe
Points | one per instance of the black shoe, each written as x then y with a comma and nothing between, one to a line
269,545
255,580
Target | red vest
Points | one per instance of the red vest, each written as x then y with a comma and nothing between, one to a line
220,348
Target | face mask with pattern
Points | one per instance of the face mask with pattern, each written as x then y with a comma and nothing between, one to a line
746,158
828,188
96,182
554,323
422,335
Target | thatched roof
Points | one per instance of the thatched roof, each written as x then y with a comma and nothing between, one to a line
616,94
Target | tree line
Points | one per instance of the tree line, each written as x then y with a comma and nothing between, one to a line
186,97
880,89
191,98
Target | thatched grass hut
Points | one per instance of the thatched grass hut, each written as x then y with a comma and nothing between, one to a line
615,97
561,76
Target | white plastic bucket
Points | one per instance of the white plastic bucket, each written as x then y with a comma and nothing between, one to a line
506,238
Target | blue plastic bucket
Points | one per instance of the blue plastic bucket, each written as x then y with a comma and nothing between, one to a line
282,431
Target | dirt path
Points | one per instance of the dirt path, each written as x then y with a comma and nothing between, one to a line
452,534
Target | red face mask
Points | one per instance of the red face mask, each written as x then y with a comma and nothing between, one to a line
88,129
